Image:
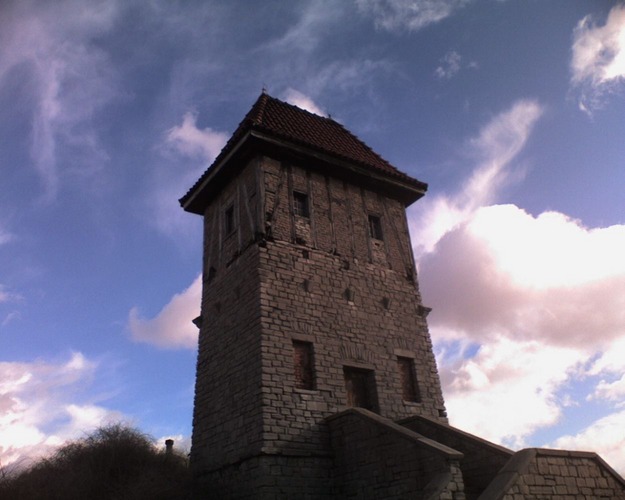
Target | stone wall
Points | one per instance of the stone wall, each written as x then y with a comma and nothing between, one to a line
268,477
338,221
272,277
227,420
322,283
537,473
377,459
482,459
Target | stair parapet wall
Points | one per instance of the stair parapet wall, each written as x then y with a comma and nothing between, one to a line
376,458
536,473
482,459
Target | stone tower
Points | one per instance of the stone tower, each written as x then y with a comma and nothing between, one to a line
310,301
315,372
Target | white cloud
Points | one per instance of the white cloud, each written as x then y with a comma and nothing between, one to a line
302,101
598,57
508,389
192,149
611,391
523,306
411,15
449,65
495,147
172,327
527,277
606,435
38,408
191,141
541,297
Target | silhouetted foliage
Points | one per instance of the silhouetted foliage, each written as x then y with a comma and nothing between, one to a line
113,463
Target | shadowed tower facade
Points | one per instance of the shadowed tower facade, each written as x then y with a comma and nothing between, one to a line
310,301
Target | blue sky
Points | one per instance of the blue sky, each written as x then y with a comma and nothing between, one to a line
513,112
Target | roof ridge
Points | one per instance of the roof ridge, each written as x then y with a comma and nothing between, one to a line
293,125
328,119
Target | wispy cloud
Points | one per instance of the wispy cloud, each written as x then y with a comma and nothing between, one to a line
172,327
449,65
411,15
305,34
598,58
68,76
496,146
300,100
39,408
5,236
8,296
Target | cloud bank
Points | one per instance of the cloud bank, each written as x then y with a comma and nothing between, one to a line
523,305
38,408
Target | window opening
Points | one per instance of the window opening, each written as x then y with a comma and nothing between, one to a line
229,220
409,388
300,204
303,364
375,227
360,387
212,272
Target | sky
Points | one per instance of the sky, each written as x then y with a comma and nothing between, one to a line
512,111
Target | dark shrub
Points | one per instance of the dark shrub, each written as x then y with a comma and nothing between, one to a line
115,462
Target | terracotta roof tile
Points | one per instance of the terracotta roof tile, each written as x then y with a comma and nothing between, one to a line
293,124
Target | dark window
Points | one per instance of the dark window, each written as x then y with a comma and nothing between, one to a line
375,227
229,220
303,365
300,204
409,388
212,272
360,387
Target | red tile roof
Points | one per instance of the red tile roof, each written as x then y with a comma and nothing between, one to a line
295,125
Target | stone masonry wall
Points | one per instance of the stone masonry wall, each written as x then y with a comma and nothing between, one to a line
227,420
338,221
375,459
482,459
272,277
559,475
268,477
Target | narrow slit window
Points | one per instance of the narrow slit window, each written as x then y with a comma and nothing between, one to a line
229,220
300,204
409,387
303,365
375,227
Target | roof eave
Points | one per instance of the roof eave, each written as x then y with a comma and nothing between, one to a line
192,201
406,191
404,188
